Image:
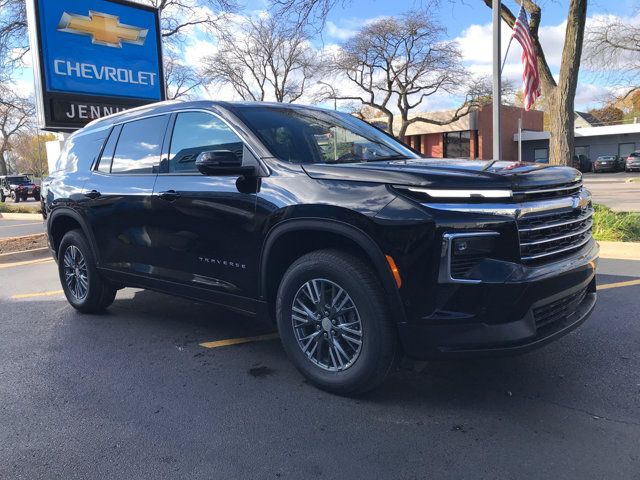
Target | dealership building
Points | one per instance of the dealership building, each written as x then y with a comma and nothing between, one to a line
472,136
590,141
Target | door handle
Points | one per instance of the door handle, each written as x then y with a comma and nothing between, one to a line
92,194
169,195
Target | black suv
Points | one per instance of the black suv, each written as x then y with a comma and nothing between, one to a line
358,248
18,187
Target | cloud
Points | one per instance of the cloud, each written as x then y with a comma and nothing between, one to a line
333,31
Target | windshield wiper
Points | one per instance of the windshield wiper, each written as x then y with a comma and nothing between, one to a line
388,157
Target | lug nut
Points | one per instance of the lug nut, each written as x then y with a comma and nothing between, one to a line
317,327
333,321
326,335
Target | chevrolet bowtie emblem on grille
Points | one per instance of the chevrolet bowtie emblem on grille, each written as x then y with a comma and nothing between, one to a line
581,201
104,29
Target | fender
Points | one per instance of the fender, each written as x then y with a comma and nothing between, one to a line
61,211
346,230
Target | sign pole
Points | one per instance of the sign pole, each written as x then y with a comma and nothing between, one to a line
520,139
497,144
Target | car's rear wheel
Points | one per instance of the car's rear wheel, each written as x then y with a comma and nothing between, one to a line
83,286
334,323
15,198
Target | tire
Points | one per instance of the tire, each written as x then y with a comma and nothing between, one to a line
36,197
92,295
2,197
15,198
355,369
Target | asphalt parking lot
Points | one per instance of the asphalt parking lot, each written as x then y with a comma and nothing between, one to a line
16,228
132,393
615,190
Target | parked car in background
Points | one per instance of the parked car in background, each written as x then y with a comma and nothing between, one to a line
18,187
606,163
633,162
582,163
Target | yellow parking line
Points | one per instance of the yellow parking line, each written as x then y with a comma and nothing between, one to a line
39,294
628,283
236,341
41,261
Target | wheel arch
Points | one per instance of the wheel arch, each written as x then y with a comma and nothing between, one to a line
60,221
295,237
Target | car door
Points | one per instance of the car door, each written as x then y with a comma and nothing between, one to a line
206,222
118,193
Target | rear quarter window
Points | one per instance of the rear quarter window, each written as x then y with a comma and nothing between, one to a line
80,151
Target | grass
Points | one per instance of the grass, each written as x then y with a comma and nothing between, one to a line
6,208
615,226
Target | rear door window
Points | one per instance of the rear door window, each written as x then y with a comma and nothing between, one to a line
139,146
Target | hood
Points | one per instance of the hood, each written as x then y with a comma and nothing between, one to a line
448,173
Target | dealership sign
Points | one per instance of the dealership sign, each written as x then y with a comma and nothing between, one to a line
93,58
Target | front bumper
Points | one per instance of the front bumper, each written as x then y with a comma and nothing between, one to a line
536,307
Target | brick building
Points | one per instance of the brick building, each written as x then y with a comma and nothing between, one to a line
471,136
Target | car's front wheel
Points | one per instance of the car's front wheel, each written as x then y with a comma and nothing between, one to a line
334,322
83,286
15,198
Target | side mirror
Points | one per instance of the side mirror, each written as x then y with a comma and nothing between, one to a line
222,162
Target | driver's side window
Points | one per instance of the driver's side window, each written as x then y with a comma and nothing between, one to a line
197,132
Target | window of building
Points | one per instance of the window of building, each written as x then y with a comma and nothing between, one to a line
197,132
457,144
139,146
541,155
624,149
582,151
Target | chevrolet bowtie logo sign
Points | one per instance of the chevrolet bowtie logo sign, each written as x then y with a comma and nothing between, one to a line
104,29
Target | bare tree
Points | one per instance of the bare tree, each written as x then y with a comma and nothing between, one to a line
14,44
612,48
559,94
398,63
263,58
15,114
182,79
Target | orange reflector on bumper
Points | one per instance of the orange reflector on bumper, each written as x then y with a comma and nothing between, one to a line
394,270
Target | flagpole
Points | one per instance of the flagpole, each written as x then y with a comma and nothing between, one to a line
497,144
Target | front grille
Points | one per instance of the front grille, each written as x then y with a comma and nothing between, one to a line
558,310
548,236
543,193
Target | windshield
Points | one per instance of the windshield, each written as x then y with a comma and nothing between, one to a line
18,180
606,158
316,136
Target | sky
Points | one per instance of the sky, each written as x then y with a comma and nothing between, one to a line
466,21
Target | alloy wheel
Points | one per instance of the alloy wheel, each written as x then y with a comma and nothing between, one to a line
76,274
327,325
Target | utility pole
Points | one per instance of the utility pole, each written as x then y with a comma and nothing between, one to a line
497,88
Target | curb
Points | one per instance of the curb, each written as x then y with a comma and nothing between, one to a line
21,216
620,250
24,255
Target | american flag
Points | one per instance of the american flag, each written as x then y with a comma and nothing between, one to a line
530,78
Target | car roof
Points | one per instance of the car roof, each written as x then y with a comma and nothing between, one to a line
175,105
